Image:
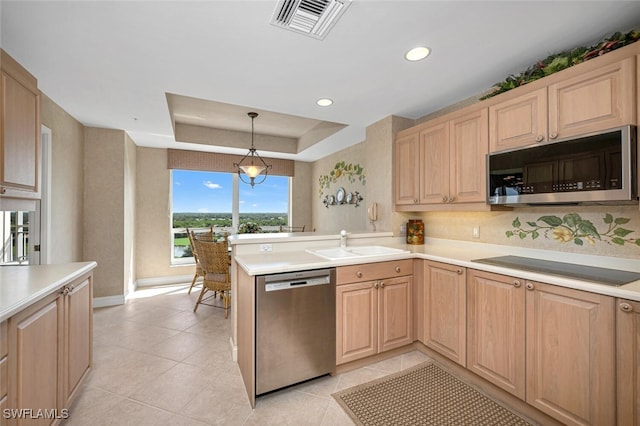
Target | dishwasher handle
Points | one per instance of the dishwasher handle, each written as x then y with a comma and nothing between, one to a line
293,284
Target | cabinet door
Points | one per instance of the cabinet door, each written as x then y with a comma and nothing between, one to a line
35,355
593,101
469,144
518,122
395,314
434,164
445,315
407,166
495,333
356,321
628,361
20,132
571,354
78,336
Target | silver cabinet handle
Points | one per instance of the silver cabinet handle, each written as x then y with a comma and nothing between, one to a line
540,138
517,284
625,307
530,286
553,135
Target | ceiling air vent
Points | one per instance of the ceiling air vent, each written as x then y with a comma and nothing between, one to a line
310,17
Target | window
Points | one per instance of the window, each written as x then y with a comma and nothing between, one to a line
200,200
14,231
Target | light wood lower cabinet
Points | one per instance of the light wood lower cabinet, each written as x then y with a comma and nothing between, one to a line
375,315
554,347
495,332
444,310
35,359
571,354
628,361
49,353
78,336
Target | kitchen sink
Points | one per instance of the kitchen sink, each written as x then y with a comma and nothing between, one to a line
336,253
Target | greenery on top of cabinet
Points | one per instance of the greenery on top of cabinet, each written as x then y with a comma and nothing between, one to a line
559,61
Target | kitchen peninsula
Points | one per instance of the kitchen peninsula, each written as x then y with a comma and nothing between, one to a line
584,315
46,335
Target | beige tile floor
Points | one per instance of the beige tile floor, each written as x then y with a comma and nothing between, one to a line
158,363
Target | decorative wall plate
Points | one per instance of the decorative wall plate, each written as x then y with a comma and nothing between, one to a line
340,195
349,197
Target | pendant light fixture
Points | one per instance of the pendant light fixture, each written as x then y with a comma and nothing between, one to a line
252,165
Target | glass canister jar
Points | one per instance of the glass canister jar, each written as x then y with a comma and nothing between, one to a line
415,231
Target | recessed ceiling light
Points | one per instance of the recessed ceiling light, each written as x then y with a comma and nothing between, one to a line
417,53
324,102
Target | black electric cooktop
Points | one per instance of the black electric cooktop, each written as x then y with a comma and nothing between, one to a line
606,276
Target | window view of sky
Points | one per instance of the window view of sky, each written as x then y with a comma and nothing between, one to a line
210,192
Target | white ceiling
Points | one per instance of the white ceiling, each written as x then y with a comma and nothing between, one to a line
111,64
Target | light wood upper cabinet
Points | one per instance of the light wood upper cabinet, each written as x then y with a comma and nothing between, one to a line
581,103
593,101
19,131
374,309
570,359
467,149
496,329
407,165
450,166
518,122
628,361
444,310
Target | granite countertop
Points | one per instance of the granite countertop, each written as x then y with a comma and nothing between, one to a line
453,252
21,286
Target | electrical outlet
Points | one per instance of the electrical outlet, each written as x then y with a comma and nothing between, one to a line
403,229
476,232
265,248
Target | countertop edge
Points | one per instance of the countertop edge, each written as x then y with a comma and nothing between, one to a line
630,293
9,311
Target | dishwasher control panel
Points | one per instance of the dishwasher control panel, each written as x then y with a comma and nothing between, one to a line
304,282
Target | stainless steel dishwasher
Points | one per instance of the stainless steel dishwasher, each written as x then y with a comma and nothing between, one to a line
295,327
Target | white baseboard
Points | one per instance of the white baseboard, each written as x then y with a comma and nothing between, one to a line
234,350
101,302
174,279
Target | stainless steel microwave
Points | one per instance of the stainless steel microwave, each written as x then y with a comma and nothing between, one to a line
591,169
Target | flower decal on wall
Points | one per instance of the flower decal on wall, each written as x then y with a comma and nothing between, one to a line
353,172
573,228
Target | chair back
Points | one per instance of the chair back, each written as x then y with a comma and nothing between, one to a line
213,256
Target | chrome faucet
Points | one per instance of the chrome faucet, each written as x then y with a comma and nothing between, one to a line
343,239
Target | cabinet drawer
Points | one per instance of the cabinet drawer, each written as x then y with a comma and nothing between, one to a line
4,370
373,271
3,339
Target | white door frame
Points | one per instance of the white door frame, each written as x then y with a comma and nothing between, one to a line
40,220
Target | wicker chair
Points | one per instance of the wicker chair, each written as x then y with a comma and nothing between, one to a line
214,260
199,272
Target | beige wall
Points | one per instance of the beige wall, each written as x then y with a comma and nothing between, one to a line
67,183
153,221
301,195
337,217
104,227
